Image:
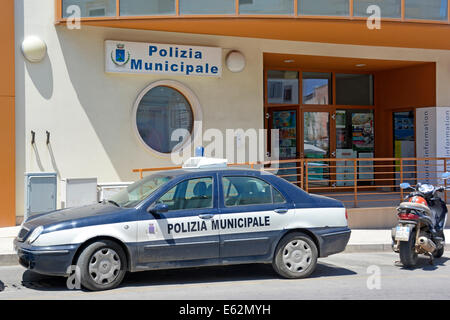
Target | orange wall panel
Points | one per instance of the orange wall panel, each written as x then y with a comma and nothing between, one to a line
407,87
401,89
7,162
7,52
7,116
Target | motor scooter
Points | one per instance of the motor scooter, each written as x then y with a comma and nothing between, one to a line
421,221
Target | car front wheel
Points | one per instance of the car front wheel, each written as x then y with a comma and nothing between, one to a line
296,256
102,265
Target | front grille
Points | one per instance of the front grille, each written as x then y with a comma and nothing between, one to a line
23,233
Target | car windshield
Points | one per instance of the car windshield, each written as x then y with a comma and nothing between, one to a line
138,191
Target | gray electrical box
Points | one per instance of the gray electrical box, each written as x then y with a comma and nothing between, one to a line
77,192
40,193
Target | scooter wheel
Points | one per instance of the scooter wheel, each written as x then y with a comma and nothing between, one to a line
439,253
408,254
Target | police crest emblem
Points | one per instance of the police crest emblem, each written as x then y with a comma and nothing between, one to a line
120,56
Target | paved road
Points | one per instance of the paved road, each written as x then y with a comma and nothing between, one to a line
342,276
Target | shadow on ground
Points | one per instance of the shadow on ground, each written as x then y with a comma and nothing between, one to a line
424,263
205,275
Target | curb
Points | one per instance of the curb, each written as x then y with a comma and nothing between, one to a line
381,247
10,259
354,248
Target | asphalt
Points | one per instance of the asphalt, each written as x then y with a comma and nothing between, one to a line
361,240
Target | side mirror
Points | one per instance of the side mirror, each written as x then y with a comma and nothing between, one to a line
405,185
446,175
158,208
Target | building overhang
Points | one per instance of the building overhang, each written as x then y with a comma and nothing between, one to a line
332,63
339,31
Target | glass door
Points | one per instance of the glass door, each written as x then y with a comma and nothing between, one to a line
354,139
285,121
317,145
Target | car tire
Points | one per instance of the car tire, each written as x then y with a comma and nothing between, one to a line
296,256
102,265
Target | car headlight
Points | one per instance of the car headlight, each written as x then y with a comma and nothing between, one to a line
35,234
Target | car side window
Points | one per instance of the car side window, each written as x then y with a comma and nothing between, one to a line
277,196
190,194
240,190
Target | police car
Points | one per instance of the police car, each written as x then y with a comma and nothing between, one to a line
203,214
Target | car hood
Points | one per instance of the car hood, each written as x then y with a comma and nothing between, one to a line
76,216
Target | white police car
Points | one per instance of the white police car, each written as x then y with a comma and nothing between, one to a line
184,218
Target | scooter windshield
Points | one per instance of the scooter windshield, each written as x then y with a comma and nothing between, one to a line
426,188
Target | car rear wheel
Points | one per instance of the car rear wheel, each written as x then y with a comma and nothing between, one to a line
102,265
296,256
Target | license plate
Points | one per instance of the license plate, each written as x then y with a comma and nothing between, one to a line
402,233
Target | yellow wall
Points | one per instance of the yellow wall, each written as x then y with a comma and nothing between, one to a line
7,120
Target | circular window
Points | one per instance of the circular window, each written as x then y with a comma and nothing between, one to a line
165,116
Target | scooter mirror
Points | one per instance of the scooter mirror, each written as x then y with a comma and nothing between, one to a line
446,175
405,185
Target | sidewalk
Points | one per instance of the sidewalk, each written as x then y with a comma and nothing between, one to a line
361,240
7,254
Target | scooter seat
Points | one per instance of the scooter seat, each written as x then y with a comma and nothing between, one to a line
415,206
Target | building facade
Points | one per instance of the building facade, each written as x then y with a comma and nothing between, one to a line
334,82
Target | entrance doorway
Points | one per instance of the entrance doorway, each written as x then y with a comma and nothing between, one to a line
322,117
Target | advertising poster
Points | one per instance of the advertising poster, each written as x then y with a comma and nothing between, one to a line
286,122
363,132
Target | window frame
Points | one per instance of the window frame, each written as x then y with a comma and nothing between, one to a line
174,13
272,203
59,15
372,89
213,204
181,14
197,116
258,14
331,88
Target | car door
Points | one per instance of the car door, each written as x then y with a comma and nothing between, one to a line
253,214
184,232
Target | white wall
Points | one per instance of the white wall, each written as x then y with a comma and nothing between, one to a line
88,112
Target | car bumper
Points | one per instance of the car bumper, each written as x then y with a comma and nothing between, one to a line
332,240
53,260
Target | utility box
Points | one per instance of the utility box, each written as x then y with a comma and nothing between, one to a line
78,192
40,193
106,190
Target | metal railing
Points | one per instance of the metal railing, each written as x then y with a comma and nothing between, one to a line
354,181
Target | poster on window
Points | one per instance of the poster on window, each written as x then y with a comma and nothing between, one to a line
363,132
403,126
285,122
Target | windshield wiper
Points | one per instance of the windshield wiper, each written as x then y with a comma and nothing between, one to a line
114,203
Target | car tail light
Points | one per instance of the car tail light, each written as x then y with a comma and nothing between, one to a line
408,216
346,214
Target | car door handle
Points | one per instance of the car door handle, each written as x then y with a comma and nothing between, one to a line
206,216
281,210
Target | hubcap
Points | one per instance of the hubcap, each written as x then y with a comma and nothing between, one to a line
104,266
297,256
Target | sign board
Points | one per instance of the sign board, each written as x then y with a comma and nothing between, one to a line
432,141
156,58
